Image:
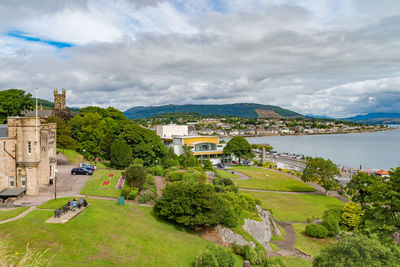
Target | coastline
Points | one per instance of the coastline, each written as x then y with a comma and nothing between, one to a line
307,134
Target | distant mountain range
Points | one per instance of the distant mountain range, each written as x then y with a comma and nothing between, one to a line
376,118
245,110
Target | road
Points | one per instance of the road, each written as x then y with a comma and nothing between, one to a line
67,185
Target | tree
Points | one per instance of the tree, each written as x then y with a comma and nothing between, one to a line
352,215
13,102
357,250
135,176
189,204
321,171
361,187
208,165
186,159
120,154
64,138
239,147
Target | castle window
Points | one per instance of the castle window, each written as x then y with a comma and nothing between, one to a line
51,171
23,181
11,181
29,147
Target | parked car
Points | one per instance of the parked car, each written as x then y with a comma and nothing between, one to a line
220,165
81,171
88,166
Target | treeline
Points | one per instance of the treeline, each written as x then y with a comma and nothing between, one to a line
107,134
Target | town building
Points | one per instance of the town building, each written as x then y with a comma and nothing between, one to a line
202,147
27,155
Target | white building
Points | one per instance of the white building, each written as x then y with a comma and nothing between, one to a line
167,131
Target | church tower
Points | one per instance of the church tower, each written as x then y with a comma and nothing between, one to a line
59,100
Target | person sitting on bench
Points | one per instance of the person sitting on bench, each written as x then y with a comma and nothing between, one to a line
74,203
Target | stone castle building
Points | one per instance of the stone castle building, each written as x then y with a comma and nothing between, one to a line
28,151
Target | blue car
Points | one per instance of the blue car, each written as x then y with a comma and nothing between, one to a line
82,171
88,166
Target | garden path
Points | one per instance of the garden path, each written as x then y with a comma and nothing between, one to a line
159,180
19,216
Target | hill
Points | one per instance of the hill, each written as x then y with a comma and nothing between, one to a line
245,110
376,118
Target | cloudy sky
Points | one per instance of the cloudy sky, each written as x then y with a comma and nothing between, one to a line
325,57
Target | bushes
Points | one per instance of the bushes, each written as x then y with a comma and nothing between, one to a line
190,175
352,215
215,256
208,165
171,163
156,170
135,176
256,256
331,224
146,196
316,230
129,192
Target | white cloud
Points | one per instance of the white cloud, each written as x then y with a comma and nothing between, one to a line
333,58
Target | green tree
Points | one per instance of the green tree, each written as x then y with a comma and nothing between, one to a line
145,144
135,176
189,204
352,215
13,102
239,147
357,250
88,129
361,187
105,145
186,159
120,154
64,138
319,170
208,165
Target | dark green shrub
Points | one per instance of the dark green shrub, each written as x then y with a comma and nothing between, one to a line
316,230
273,262
259,164
175,176
120,154
208,165
146,196
171,163
156,170
331,224
133,193
206,258
254,255
125,191
135,176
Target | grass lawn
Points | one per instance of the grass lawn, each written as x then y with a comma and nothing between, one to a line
276,181
226,174
106,234
72,155
309,245
7,214
296,262
93,186
296,207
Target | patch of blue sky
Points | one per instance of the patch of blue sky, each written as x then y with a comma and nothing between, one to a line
201,7
26,37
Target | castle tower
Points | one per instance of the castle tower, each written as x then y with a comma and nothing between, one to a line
59,100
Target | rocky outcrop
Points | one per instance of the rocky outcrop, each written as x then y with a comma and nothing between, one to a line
262,231
227,235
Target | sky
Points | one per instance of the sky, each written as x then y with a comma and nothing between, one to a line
328,57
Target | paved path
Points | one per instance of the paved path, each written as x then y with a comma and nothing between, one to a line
284,192
19,216
159,181
242,175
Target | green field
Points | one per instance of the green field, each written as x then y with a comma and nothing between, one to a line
296,207
226,174
93,186
105,234
296,262
277,181
309,245
7,214
72,155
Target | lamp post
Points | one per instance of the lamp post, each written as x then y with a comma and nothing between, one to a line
267,180
55,184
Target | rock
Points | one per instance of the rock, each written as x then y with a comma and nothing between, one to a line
246,264
227,235
262,231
